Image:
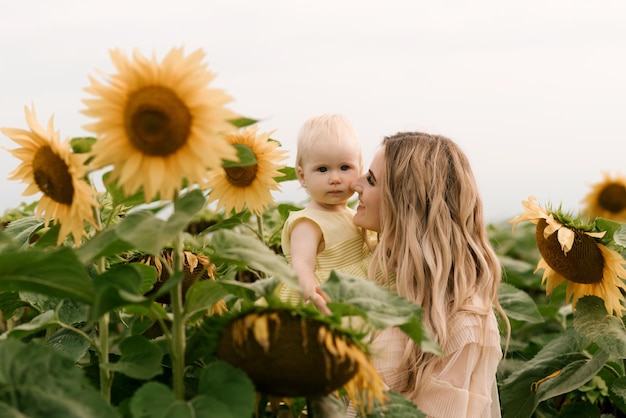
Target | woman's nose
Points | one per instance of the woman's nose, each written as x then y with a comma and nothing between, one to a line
354,185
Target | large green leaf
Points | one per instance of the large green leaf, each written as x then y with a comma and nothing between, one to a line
121,285
245,250
68,342
227,389
42,383
224,392
202,295
518,304
592,321
152,400
380,307
559,367
397,407
57,273
617,392
41,322
140,358
22,229
144,230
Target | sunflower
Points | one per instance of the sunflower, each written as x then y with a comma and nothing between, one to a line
195,267
234,187
287,355
574,255
607,199
49,167
159,124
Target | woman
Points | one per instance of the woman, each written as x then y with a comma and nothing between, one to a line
420,196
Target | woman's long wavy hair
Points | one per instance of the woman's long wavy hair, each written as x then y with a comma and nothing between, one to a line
433,238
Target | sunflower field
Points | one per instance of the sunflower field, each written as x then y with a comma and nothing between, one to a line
154,294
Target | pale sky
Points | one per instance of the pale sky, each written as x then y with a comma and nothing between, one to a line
534,91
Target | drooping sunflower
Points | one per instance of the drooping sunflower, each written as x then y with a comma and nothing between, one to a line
195,267
158,123
607,199
288,355
573,253
234,187
48,166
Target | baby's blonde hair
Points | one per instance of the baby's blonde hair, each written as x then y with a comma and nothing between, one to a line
332,128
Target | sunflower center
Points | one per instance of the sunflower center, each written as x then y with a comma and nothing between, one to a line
52,176
241,176
582,264
157,121
613,198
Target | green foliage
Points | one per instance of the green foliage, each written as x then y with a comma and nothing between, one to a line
92,309
559,363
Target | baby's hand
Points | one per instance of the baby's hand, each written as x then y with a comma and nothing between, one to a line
319,298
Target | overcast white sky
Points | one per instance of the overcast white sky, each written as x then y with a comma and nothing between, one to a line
534,91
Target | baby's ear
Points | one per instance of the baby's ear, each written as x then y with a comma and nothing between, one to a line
300,175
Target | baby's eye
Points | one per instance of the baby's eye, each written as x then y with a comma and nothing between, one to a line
322,169
345,167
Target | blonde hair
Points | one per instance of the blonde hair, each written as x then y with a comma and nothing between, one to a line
332,128
433,238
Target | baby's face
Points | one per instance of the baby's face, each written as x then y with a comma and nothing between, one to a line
327,171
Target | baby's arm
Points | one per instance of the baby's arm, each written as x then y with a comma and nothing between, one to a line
306,237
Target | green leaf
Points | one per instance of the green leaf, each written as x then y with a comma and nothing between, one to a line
518,304
21,230
246,250
573,375
289,174
82,144
245,157
6,411
242,122
251,291
9,303
118,195
579,410
380,307
617,392
105,243
140,358
592,321
57,273
397,407
143,230
227,388
202,295
69,343
121,285
523,389
152,400
42,383
40,322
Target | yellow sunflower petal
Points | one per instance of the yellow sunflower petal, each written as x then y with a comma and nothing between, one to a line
158,123
607,198
49,167
533,212
253,185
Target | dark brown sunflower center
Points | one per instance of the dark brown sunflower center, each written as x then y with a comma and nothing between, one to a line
584,263
241,176
157,121
613,198
52,176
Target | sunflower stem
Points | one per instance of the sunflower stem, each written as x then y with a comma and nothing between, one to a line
178,324
106,376
259,224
